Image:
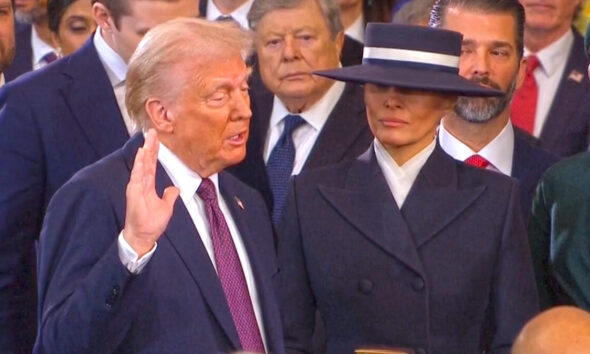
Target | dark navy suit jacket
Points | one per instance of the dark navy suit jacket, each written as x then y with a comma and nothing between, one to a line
90,303
345,135
529,162
566,129
23,58
54,121
427,277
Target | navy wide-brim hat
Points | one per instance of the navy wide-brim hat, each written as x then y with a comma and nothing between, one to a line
411,57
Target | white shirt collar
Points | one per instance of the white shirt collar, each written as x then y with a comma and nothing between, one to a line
357,29
240,14
187,180
114,65
40,48
401,178
316,115
499,152
552,55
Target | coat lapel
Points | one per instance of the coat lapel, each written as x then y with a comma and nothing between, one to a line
366,202
435,199
346,123
570,92
91,98
186,241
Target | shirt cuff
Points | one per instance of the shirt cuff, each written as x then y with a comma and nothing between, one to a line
129,257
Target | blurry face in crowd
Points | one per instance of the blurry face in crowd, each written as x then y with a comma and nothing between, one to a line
489,57
6,34
549,15
404,120
211,116
27,11
291,43
143,15
75,26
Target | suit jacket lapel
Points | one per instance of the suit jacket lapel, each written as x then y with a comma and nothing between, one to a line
186,241
569,94
366,202
345,123
91,98
521,157
435,199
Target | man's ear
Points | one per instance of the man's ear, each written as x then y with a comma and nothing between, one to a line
521,72
102,16
339,41
162,119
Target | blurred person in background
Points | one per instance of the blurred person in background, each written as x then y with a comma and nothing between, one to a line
71,24
34,46
551,103
6,37
563,330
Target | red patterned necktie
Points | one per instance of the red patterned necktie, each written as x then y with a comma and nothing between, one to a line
524,104
231,274
477,161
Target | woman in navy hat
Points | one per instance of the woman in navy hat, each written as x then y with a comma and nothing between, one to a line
404,246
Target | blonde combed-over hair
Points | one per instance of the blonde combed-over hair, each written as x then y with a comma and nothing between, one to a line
193,43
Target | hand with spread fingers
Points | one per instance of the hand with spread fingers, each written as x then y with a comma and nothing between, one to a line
147,214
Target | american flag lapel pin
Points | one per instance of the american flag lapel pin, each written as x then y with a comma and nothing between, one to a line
239,202
576,76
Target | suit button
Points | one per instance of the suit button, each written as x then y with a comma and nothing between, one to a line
365,286
110,301
418,284
420,351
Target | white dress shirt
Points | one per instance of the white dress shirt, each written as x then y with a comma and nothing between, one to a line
356,30
239,15
116,69
553,59
188,182
306,135
40,49
499,152
401,178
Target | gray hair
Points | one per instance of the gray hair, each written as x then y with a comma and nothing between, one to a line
183,41
512,7
330,11
415,12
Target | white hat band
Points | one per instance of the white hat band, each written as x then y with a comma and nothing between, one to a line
413,56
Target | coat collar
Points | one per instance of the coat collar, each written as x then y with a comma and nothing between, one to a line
91,98
434,201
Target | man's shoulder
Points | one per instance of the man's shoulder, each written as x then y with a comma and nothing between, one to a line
110,173
576,58
529,152
49,79
573,168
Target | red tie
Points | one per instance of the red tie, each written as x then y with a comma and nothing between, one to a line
477,161
524,104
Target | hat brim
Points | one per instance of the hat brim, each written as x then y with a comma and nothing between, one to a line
409,78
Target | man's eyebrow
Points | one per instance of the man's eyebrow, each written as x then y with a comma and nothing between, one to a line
229,83
493,44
